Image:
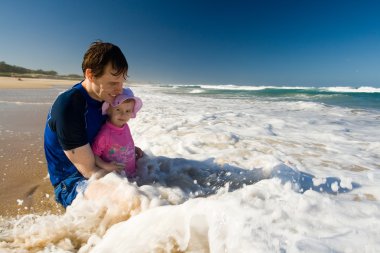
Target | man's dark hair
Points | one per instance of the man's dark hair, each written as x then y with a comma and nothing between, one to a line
99,54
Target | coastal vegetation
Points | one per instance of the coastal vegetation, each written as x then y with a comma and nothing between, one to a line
19,72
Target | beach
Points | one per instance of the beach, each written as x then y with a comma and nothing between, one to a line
25,187
225,169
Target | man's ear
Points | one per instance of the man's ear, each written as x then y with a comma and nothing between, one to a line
89,74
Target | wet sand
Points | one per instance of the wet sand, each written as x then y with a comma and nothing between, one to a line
25,187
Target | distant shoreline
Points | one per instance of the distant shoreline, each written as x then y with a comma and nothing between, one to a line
40,76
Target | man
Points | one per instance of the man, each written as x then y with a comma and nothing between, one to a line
76,117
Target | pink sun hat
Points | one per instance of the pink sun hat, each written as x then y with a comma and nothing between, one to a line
127,94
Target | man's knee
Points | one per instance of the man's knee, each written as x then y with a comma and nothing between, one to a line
66,191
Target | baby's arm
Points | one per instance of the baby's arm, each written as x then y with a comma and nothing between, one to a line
111,166
98,147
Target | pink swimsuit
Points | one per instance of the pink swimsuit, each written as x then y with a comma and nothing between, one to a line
116,144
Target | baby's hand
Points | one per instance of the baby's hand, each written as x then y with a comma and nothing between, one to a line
114,166
138,152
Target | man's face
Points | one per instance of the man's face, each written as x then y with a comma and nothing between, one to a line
108,86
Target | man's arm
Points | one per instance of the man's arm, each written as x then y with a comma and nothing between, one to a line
84,160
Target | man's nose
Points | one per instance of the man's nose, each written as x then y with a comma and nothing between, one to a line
119,89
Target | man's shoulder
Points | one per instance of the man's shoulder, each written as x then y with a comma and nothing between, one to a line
71,94
70,97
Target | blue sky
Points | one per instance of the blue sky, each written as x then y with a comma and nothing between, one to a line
309,42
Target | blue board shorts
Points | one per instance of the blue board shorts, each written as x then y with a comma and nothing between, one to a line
67,190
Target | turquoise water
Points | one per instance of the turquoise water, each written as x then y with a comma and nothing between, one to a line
358,98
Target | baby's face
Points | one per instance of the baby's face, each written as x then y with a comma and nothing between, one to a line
120,114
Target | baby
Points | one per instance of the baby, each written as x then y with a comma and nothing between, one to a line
113,147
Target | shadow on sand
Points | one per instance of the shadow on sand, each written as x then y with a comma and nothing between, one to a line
203,178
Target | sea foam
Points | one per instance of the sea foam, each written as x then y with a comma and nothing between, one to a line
226,175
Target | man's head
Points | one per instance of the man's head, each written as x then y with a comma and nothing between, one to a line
100,54
105,69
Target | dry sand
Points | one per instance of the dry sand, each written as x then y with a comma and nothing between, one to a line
35,83
25,187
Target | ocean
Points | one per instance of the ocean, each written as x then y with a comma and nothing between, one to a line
230,169
352,97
